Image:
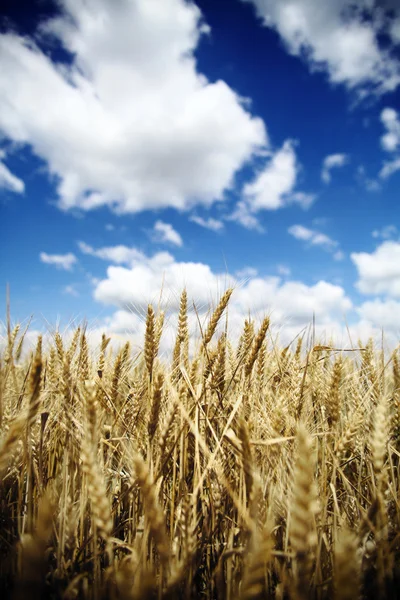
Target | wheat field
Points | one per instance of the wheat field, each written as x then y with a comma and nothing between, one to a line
227,470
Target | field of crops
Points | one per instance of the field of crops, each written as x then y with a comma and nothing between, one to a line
228,470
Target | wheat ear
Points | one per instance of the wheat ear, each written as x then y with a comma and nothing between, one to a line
215,317
303,507
149,341
347,570
153,511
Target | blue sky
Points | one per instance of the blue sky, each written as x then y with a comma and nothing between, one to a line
249,142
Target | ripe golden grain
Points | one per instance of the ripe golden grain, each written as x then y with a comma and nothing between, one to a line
196,475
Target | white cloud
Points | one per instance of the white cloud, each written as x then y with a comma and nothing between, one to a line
381,314
332,161
70,290
301,233
130,124
210,223
272,188
291,303
164,232
304,199
391,139
379,271
395,29
61,261
116,254
246,272
142,283
242,214
385,233
339,37
339,255
371,185
389,168
8,180
283,270
274,185
315,238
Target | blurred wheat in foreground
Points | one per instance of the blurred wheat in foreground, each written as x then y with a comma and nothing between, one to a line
236,471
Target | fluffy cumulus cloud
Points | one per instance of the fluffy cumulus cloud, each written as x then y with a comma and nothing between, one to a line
340,37
142,283
273,187
61,261
332,161
135,279
379,271
129,122
8,180
290,303
165,233
382,314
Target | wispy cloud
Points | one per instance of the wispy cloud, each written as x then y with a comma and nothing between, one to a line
119,254
8,180
389,168
283,270
386,233
370,184
210,223
390,141
242,214
165,233
70,290
332,161
246,272
316,238
61,261
274,187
